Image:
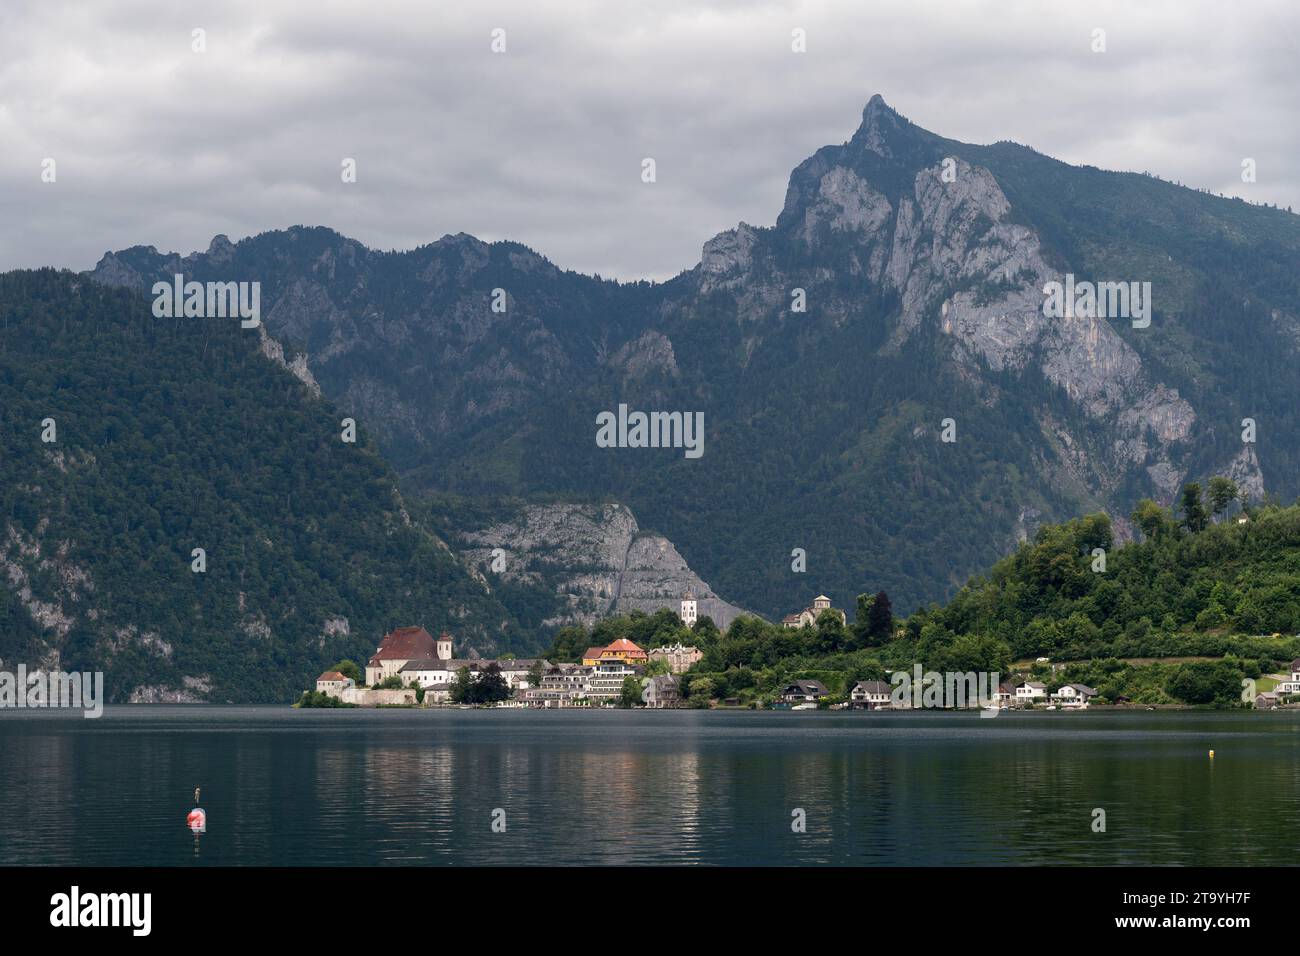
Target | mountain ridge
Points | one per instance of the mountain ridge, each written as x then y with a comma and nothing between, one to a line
918,279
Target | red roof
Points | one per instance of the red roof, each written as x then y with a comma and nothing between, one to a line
623,644
592,653
331,675
406,644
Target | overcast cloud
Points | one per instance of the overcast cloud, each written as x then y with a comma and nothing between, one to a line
158,145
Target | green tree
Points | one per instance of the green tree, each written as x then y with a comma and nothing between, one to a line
1222,492
462,687
491,687
349,669
701,692
880,619
1193,511
1152,519
630,696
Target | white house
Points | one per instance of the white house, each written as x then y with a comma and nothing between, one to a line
803,691
871,695
1073,695
333,683
1292,684
1030,690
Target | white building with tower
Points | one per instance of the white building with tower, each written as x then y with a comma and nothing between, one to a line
690,609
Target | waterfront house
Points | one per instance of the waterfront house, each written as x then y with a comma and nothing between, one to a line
437,673
565,685
1073,695
679,658
662,692
803,691
808,616
1292,684
333,683
1030,691
606,682
870,695
1267,700
1006,694
516,670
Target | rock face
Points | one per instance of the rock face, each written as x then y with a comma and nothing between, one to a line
919,264
598,559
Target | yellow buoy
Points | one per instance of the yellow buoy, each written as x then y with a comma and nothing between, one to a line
1211,753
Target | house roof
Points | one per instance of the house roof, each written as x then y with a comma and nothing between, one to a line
820,597
406,643
433,664
1295,664
790,619
872,687
522,663
623,644
1036,685
1083,689
807,686
592,653
331,675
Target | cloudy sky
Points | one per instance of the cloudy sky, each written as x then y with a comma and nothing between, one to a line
156,144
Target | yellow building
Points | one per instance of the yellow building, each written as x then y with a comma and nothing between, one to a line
621,650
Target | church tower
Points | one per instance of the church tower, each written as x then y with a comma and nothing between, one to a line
689,609
444,646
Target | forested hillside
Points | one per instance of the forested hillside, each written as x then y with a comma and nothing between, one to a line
175,434
1205,582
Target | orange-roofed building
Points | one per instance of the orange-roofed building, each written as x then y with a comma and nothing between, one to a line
620,650
397,648
333,683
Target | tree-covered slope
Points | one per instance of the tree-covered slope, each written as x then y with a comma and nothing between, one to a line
177,434
1177,591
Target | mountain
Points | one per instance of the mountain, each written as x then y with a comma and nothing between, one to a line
922,262
167,435
594,556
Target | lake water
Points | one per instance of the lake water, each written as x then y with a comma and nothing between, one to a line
346,787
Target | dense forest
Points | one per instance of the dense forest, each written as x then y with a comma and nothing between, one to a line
128,441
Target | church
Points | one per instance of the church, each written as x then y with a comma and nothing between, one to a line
808,616
401,646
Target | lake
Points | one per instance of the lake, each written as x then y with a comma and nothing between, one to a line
349,787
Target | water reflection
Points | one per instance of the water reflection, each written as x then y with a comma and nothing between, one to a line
396,787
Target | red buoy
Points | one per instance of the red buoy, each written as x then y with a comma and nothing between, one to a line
197,820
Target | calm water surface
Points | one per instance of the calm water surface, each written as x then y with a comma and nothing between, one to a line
347,787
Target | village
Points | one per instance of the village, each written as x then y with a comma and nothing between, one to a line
410,668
